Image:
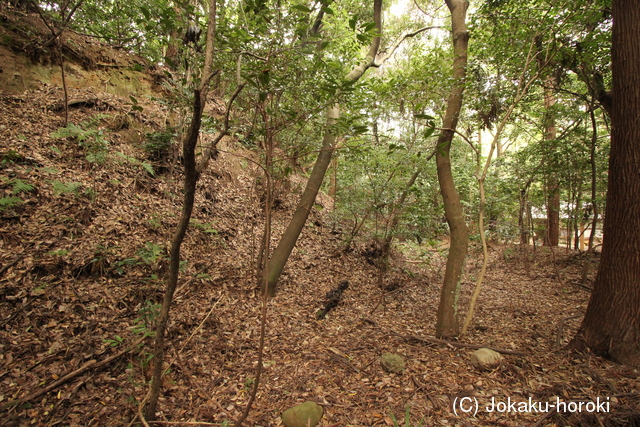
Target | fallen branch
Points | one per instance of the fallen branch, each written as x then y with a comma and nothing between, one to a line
89,365
195,331
338,356
589,288
9,265
332,299
431,340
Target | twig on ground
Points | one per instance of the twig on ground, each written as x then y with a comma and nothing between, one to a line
11,264
89,365
431,340
197,329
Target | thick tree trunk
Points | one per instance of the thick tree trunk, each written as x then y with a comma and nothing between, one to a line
611,326
288,240
447,324
552,235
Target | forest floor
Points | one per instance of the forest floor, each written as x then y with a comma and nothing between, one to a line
84,231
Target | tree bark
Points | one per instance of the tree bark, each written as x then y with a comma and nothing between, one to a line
552,234
288,240
611,326
447,324
190,180
483,238
594,177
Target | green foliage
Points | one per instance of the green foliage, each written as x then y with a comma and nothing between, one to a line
115,342
147,315
88,138
152,253
134,103
141,26
10,157
20,186
407,419
155,221
62,188
17,186
158,145
58,252
132,160
121,264
8,202
206,227
248,383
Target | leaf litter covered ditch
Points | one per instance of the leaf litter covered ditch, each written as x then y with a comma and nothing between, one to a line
83,257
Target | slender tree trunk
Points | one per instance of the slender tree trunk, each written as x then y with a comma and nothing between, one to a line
523,218
395,216
495,144
594,180
483,238
333,187
288,240
447,324
276,263
594,193
611,326
190,180
553,194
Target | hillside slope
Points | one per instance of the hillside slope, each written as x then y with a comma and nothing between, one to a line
85,227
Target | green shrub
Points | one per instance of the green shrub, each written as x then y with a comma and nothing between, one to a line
8,202
60,187
88,137
132,160
158,145
20,186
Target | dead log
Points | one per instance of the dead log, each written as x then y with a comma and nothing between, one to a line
332,299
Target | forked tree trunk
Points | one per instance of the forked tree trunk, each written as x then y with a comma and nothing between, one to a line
447,323
288,240
611,326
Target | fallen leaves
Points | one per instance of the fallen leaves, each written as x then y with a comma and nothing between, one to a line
73,286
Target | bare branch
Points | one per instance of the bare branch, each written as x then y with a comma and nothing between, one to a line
399,41
211,149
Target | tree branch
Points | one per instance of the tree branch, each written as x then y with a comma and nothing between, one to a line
71,375
399,41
